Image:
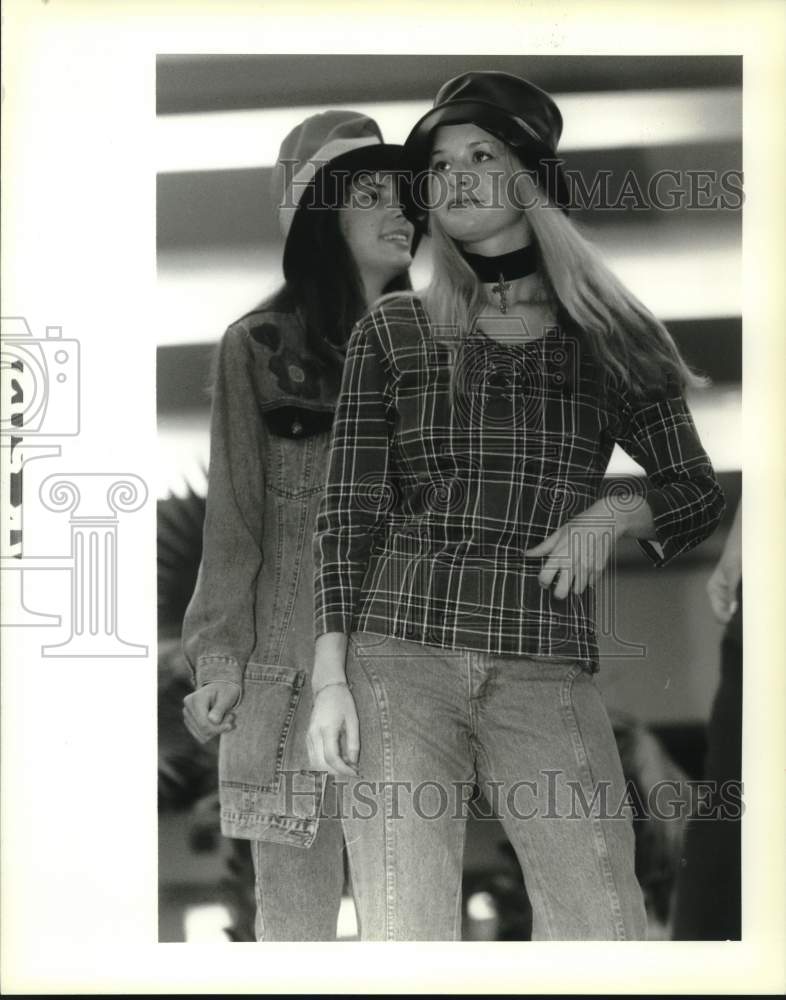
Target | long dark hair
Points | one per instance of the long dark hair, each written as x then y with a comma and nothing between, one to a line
326,292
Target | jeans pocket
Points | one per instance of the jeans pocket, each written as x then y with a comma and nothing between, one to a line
252,755
369,640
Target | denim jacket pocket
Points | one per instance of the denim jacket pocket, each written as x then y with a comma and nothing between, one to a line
252,756
295,463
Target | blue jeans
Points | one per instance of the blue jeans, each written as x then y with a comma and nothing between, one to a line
535,736
298,889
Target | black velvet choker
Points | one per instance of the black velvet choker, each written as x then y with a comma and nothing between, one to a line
508,266
503,269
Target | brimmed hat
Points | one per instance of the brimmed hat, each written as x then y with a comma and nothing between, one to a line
514,110
316,152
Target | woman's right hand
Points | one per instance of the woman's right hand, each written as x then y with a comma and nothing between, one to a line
333,738
207,712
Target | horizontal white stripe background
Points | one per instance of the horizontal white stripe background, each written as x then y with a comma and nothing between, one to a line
230,140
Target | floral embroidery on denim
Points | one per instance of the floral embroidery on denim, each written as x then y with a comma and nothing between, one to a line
267,334
296,375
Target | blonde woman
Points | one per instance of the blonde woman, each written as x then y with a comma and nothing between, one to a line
465,523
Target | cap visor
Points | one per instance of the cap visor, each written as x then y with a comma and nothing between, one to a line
381,156
486,116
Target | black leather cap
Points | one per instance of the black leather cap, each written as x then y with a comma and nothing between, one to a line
514,110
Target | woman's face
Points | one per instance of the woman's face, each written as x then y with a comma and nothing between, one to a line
471,190
375,230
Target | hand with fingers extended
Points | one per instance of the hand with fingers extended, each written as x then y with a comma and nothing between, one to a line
577,552
207,712
333,738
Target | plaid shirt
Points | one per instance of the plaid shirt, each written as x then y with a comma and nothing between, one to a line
431,503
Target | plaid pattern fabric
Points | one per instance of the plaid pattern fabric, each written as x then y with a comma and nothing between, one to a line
430,504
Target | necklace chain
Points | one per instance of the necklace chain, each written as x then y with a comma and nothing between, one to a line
502,270
502,290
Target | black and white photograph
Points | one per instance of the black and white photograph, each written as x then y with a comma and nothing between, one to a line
393,395
301,242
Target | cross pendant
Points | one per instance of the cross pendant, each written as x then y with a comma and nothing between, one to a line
501,288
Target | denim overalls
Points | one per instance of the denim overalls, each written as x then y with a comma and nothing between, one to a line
250,619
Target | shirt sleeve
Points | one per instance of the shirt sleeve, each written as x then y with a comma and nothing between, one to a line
684,495
219,628
357,492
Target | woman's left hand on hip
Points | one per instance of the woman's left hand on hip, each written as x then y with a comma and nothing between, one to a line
577,552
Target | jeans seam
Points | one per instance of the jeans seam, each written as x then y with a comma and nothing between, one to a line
387,770
353,879
531,868
284,615
259,923
469,660
459,910
585,770
272,643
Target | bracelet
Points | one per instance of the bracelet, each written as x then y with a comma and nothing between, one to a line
330,685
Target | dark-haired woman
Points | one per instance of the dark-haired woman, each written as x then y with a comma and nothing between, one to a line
465,522
248,632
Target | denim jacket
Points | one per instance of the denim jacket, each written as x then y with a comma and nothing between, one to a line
250,619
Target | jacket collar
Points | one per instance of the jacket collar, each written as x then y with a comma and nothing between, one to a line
286,372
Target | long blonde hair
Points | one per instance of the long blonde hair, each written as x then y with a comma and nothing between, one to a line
629,343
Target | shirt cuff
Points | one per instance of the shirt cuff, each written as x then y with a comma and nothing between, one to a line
212,668
333,621
653,550
670,541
